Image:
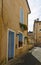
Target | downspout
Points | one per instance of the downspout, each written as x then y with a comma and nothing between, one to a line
2,13
4,24
1,20
2,9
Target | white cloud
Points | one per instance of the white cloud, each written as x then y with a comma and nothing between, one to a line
35,6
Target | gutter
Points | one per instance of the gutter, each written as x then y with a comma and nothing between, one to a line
28,7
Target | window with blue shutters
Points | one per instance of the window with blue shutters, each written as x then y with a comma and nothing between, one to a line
20,39
21,15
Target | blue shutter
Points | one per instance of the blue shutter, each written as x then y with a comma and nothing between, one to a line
21,15
20,37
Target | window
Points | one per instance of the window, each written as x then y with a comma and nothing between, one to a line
40,30
39,36
20,39
25,40
39,23
21,15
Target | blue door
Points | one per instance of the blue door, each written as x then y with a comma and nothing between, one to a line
11,45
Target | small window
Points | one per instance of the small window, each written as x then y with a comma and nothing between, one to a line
25,40
21,15
39,36
39,23
20,40
40,30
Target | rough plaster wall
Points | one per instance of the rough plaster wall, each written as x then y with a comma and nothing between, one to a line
37,32
11,16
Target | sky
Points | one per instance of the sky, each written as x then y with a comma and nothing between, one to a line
35,7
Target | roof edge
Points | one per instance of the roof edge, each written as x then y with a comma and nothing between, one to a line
28,6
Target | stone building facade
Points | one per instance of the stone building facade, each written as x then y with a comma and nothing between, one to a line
30,37
37,32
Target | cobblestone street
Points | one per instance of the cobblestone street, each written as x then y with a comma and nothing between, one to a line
31,58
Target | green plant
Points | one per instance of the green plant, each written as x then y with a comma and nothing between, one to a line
23,26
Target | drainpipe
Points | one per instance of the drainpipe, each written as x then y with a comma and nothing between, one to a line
2,9
2,14
4,24
1,27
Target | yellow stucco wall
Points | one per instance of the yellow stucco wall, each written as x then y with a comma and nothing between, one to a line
11,19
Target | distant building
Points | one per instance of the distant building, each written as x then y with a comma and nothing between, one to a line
13,28
30,37
37,31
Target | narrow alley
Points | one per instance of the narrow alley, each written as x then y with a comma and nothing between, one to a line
33,57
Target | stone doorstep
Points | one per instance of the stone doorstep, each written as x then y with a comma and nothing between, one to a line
16,59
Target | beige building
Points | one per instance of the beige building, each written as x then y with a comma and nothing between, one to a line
30,37
13,28
37,31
